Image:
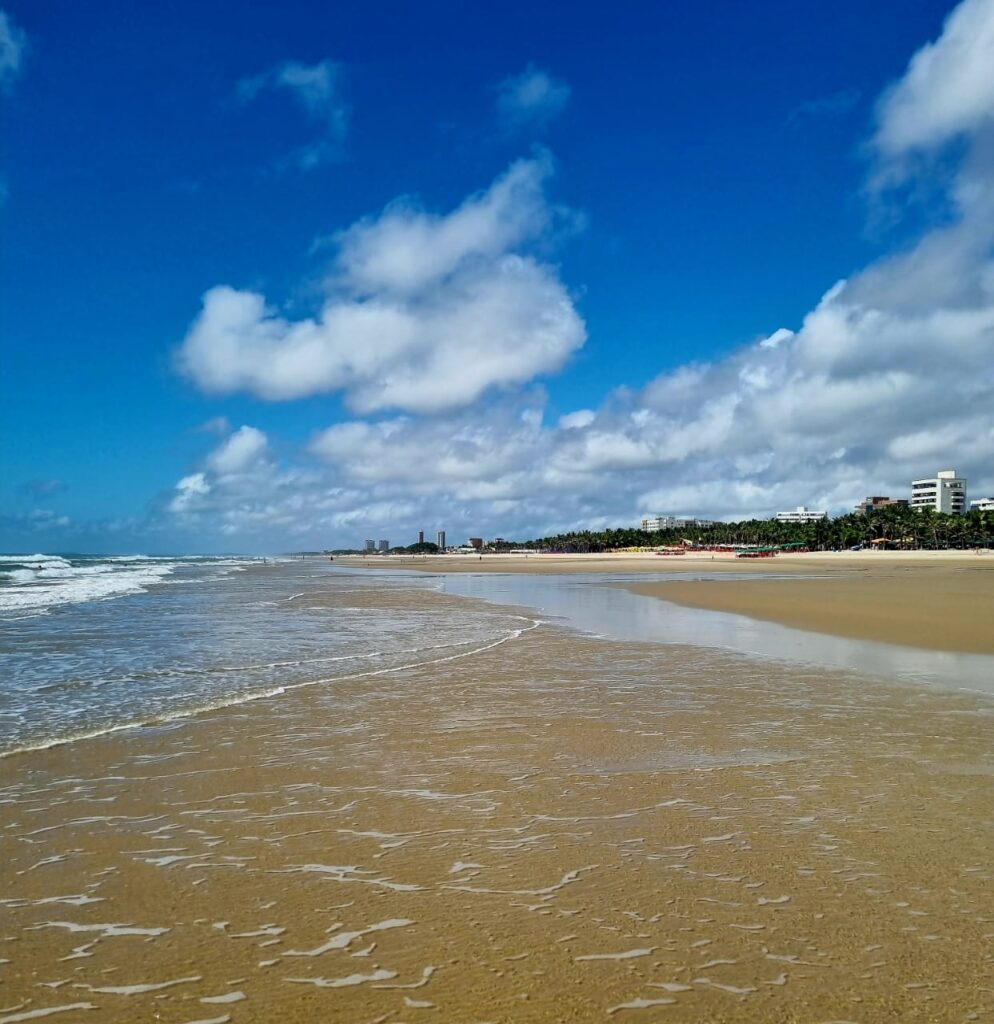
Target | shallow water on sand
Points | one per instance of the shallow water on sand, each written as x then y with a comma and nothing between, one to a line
589,602
200,635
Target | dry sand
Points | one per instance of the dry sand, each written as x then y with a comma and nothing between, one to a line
558,829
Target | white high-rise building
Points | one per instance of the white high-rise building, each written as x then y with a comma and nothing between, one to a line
801,514
944,492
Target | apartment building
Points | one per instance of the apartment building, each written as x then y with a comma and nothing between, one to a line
871,504
801,514
651,524
944,492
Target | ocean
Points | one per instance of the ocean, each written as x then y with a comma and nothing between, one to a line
89,644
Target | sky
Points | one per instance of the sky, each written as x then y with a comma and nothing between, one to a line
304,274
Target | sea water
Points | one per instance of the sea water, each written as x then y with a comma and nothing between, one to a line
90,644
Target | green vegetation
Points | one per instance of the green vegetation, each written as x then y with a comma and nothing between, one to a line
424,548
893,526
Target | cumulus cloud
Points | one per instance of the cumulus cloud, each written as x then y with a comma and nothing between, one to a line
189,493
317,88
425,311
530,100
948,89
889,378
241,491
13,45
246,449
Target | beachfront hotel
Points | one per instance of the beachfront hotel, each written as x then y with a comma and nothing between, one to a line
945,492
801,514
652,524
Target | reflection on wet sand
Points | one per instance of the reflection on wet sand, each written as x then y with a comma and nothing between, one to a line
558,828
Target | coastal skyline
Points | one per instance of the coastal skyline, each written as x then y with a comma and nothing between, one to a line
324,274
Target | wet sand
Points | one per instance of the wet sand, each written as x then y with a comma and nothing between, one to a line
556,829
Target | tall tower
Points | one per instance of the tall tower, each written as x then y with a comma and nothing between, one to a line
440,540
421,536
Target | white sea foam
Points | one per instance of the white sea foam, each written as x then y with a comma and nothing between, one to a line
13,1018
56,582
346,982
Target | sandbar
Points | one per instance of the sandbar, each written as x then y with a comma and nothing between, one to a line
935,600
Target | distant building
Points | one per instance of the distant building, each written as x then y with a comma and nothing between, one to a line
440,540
877,501
982,505
384,546
944,492
421,536
368,546
801,514
476,543
652,524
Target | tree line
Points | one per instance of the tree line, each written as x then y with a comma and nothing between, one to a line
895,526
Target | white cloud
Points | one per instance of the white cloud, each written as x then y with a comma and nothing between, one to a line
318,90
888,378
13,45
578,419
246,449
530,100
426,311
215,425
948,88
189,492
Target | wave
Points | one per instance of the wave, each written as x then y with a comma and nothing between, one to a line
34,584
41,592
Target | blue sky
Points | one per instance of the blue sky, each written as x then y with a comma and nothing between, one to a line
429,234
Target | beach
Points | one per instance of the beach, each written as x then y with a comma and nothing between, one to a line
934,600
534,825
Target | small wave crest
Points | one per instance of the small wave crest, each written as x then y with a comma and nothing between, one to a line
33,584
